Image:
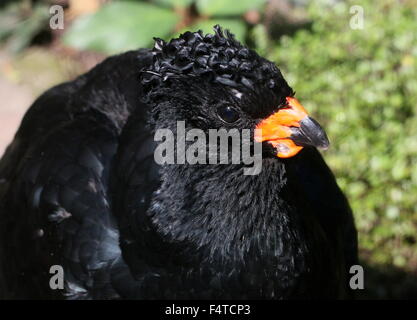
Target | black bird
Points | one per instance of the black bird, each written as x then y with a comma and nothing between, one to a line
80,188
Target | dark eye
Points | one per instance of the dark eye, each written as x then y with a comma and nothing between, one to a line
228,114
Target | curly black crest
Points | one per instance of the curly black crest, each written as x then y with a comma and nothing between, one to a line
218,57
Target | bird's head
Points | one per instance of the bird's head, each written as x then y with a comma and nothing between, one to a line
212,81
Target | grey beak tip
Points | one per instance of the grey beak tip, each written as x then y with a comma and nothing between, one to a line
325,145
323,140
310,133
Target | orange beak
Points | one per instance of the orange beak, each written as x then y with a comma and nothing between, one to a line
290,129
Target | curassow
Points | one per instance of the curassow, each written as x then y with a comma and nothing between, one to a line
80,187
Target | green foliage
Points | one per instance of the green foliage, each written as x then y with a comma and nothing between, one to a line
129,24
362,85
227,7
20,22
174,3
121,26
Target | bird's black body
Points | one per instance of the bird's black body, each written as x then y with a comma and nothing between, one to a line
79,187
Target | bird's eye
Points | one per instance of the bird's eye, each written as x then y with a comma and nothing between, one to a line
228,114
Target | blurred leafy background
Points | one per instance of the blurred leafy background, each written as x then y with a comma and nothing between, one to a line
361,84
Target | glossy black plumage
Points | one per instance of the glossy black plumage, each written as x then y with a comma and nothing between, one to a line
79,187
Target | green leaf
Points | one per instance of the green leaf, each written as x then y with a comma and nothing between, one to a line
227,7
259,35
9,20
174,3
237,27
120,26
21,30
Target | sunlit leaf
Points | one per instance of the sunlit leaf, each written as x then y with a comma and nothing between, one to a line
121,26
227,7
20,29
174,3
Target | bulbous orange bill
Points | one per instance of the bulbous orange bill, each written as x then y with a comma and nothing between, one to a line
290,129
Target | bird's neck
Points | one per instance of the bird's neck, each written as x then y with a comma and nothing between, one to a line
217,210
